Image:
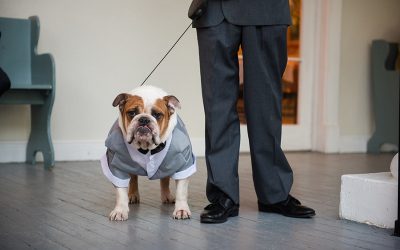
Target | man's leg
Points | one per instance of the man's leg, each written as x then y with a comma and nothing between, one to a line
265,58
264,52
218,46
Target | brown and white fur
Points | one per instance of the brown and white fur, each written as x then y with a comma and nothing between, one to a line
147,117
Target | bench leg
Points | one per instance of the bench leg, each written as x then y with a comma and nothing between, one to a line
40,137
374,144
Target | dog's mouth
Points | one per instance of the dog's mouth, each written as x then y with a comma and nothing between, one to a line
143,136
143,130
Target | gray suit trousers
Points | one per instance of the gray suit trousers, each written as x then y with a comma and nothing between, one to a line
265,58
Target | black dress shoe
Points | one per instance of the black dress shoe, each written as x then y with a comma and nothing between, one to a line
210,206
291,207
220,211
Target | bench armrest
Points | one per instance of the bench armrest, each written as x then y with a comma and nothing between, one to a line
43,70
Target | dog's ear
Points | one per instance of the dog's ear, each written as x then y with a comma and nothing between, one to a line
120,101
172,103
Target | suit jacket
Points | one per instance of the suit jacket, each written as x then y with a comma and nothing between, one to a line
245,12
175,160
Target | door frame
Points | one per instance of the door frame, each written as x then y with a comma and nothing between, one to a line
318,102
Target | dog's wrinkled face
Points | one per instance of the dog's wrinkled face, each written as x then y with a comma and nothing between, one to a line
147,116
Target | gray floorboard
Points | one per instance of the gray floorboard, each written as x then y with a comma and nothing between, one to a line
67,208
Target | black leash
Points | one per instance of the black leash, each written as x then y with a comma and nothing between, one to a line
196,10
166,54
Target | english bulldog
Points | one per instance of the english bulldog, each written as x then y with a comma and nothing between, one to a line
148,139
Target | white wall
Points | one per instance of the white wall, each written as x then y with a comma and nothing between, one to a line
102,48
362,22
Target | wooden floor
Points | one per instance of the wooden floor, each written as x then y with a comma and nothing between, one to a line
67,208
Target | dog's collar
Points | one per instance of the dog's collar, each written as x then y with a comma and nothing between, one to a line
160,147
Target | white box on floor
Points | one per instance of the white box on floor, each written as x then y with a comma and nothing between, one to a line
369,198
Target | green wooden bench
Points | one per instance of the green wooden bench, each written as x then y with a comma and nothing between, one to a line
32,79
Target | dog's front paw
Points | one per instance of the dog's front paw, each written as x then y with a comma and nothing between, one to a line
120,213
134,198
167,198
182,211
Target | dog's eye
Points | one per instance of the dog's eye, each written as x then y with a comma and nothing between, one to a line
131,113
156,115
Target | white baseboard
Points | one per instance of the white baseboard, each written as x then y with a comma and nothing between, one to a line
12,151
78,150
93,150
72,150
63,151
353,144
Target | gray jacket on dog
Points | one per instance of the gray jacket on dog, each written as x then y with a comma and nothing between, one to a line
176,160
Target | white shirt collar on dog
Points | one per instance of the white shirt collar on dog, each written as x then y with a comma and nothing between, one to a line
149,162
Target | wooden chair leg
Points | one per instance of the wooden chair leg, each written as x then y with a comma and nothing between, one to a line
40,137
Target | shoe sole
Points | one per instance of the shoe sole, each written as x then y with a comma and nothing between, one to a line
233,213
268,210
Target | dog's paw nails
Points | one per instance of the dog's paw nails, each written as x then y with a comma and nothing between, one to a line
167,199
134,199
182,211
181,215
119,214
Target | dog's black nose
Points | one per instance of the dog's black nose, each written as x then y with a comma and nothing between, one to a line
144,121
